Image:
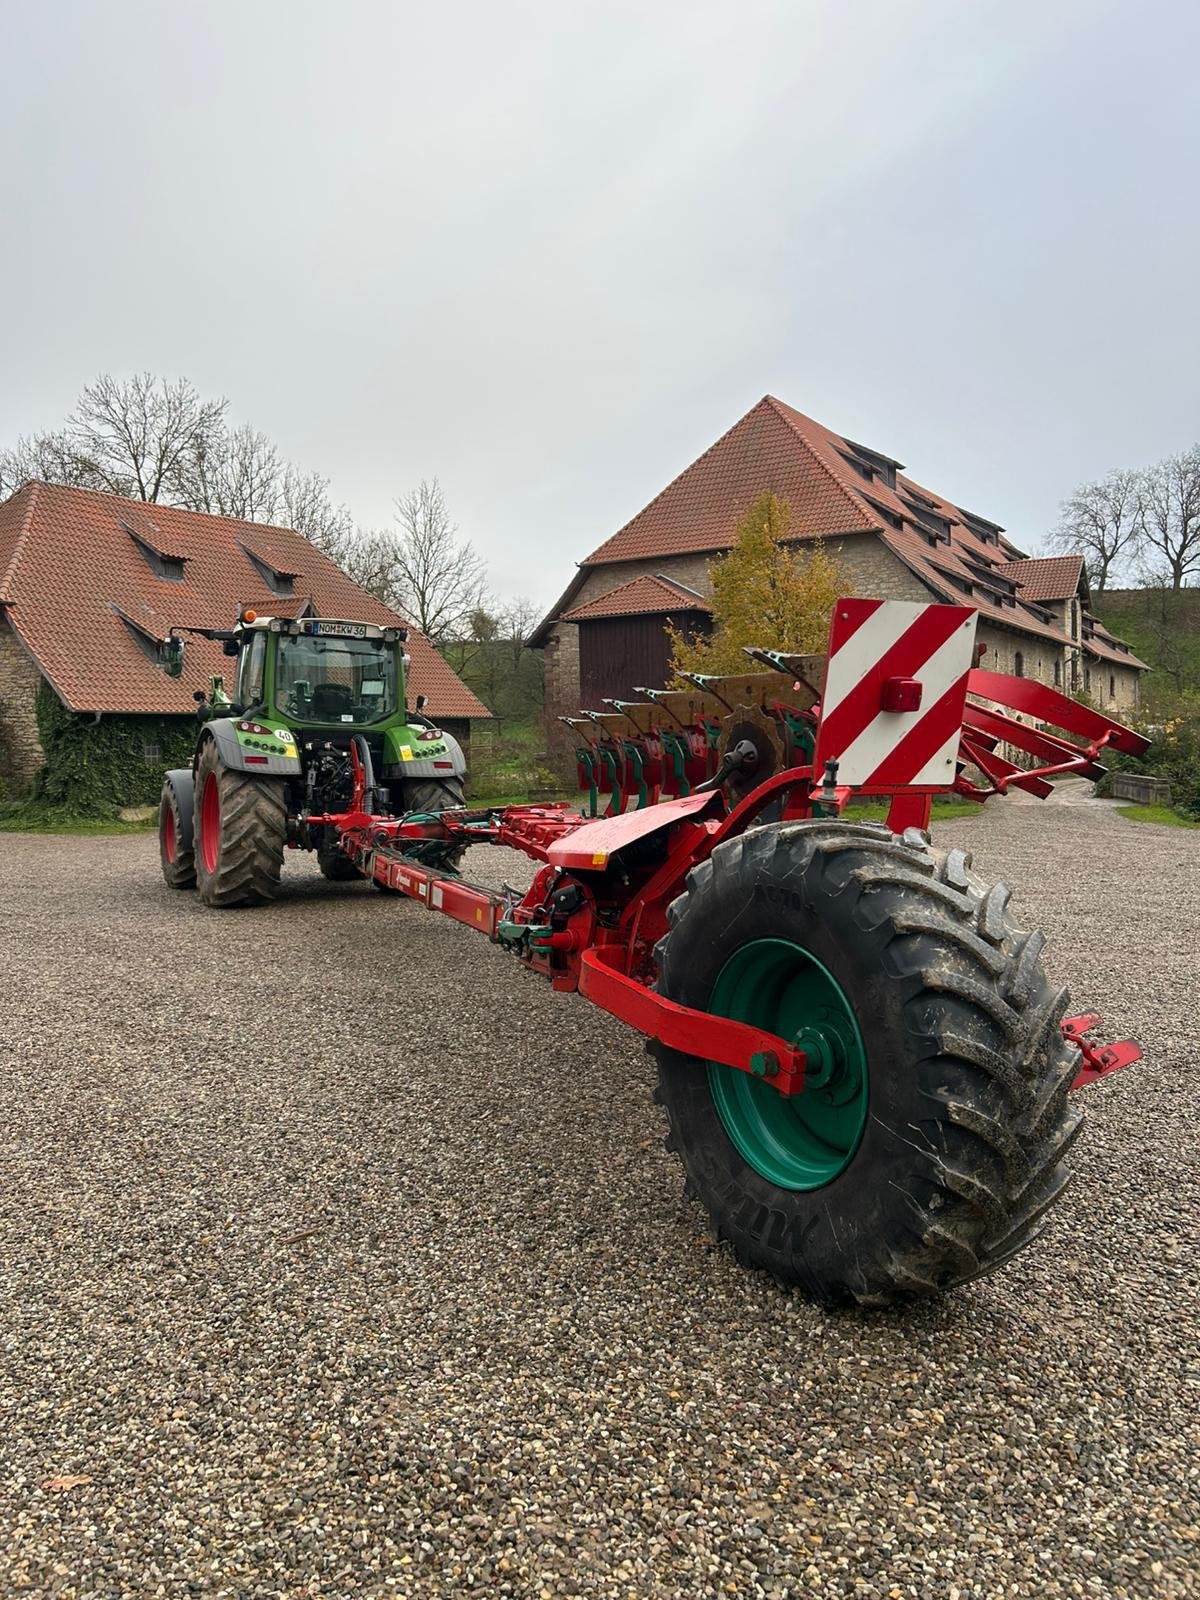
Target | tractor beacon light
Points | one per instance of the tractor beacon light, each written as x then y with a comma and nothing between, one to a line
864,1068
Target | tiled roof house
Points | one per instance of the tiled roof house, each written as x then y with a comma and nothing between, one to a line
897,540
90,583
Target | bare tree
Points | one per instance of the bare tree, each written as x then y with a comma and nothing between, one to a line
304,503
1100,522
150,439
517,621
235,474
437,580
47,456
138,437
1169,515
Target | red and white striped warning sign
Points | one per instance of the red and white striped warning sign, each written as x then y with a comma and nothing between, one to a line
895,688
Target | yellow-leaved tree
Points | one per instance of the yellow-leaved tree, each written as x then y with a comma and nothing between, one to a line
765,593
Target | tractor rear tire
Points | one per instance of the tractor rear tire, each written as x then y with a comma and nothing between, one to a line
176,844
336,865
433,794
928,1140
241,833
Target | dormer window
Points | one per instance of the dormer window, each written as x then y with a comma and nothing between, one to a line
165,564
281,584
145,638
882,467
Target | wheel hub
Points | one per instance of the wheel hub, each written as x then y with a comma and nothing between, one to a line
797,1141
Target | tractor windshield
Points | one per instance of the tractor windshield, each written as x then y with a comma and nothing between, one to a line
335,680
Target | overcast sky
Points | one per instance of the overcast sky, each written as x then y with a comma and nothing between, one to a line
550,251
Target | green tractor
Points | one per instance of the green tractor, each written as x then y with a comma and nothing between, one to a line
317,704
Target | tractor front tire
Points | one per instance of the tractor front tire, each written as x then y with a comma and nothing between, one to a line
241,833
928,1140
176,844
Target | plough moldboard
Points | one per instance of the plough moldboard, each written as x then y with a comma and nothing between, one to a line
863,1065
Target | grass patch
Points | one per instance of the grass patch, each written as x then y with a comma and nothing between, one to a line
1160,814
943,810
32,816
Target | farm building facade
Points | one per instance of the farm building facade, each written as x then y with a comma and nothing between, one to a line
895,539
91,583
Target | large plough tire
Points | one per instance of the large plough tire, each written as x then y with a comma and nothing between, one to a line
929,1138
176,845
241,832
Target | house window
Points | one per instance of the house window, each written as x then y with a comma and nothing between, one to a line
1058,674
1112,686
151,751
1019,664
1087,680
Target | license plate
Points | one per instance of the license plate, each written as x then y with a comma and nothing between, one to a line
341,630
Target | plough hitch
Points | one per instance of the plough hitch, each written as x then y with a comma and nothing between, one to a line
1099,1060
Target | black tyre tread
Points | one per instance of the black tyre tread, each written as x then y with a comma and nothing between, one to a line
336,865
996,1078
433,794
180,873
253,836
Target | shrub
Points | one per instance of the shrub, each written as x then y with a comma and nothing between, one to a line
1172,724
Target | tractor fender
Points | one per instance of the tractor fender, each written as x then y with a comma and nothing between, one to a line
180,780
223,731
447,748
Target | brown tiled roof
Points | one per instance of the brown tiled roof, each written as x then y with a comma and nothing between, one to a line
1048,577
69,571
1097,641
778,448
649,595
701,508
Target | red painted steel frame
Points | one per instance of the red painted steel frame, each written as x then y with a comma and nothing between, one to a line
591,918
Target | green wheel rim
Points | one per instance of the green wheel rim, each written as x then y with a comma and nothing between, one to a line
795,1141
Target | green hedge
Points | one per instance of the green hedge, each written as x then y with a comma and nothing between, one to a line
94,768
1172,725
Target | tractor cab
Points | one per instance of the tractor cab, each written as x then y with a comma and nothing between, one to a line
320,673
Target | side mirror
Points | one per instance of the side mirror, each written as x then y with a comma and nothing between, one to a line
199,697
170,654
422,701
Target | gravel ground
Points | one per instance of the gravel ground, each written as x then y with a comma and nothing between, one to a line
339,1256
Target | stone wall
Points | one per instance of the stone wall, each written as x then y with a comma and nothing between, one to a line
21,757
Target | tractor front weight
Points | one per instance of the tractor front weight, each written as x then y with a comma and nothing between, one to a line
862,1063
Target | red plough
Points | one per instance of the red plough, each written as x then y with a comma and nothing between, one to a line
862,1063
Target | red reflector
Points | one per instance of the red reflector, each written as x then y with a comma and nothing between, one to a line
446,764
258,761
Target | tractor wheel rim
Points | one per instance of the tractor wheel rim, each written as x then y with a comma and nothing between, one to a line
795,1141
169,834
210,822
